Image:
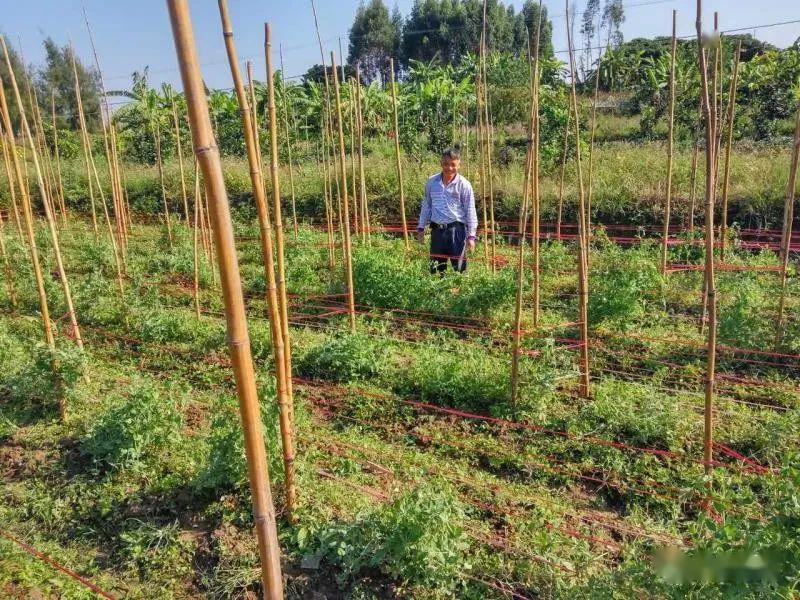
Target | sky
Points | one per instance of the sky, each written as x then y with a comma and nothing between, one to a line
132,34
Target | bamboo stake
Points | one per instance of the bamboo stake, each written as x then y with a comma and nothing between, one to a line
84,140
91,169
207,155
534,179
254,117
723,233
160,165
116,179
27,214
583,241
354,179
709,111
670,144
560,211
265,225
176,125
288,143
480,108
12,293
62,273
365,222
283,302
10,177
194,241
398,165
348,253
326,197
788,218
61,200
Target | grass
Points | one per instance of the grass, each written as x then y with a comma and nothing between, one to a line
143,489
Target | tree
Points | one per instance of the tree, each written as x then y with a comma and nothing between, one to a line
373,40
613,18
589,29
529,19
22,74
56,77
316,74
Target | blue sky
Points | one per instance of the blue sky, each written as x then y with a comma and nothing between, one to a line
133,33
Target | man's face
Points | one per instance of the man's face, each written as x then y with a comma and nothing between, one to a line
450,166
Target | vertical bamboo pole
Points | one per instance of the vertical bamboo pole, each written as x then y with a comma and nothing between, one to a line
12,293
560,211
177,127
159,163
195,249
723,232
283,302
362,188
288,143
84,139
62,273
398,165
348,253
788,218
592,129
709,110
207,155
10,177
534,179
583,239
61,200
354,179
265,226
28,216
670,144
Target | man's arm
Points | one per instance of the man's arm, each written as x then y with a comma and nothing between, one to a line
468,200
424,212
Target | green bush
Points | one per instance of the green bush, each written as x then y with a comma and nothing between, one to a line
136,429
345,357
417,540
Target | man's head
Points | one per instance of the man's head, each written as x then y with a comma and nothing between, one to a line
451,160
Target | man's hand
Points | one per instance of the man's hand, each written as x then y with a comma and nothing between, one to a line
471,245
421,236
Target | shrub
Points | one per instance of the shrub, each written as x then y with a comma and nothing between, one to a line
417,540
345,357
134,430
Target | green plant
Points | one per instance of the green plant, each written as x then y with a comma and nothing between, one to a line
344,357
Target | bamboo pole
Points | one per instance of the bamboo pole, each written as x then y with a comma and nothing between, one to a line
283,302
535,196
254,116
61,200
709,110
12,293
195,249
592,130
265,225
723,233
10,177
670,144
398,165
119,206
27,214
84,140
362,188
62,273
288,143
354,179
176,125
560,211
348,252
788,218
583,240
160,165
481,130
207,155
329,169
91,169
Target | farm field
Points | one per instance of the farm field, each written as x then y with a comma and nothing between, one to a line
230,367
415,474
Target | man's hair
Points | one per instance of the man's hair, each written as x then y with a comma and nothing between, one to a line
453,152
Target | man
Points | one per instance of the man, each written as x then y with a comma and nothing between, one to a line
449,207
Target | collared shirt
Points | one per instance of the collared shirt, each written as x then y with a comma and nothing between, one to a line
443,204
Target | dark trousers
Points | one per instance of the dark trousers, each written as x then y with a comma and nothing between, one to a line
447,243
